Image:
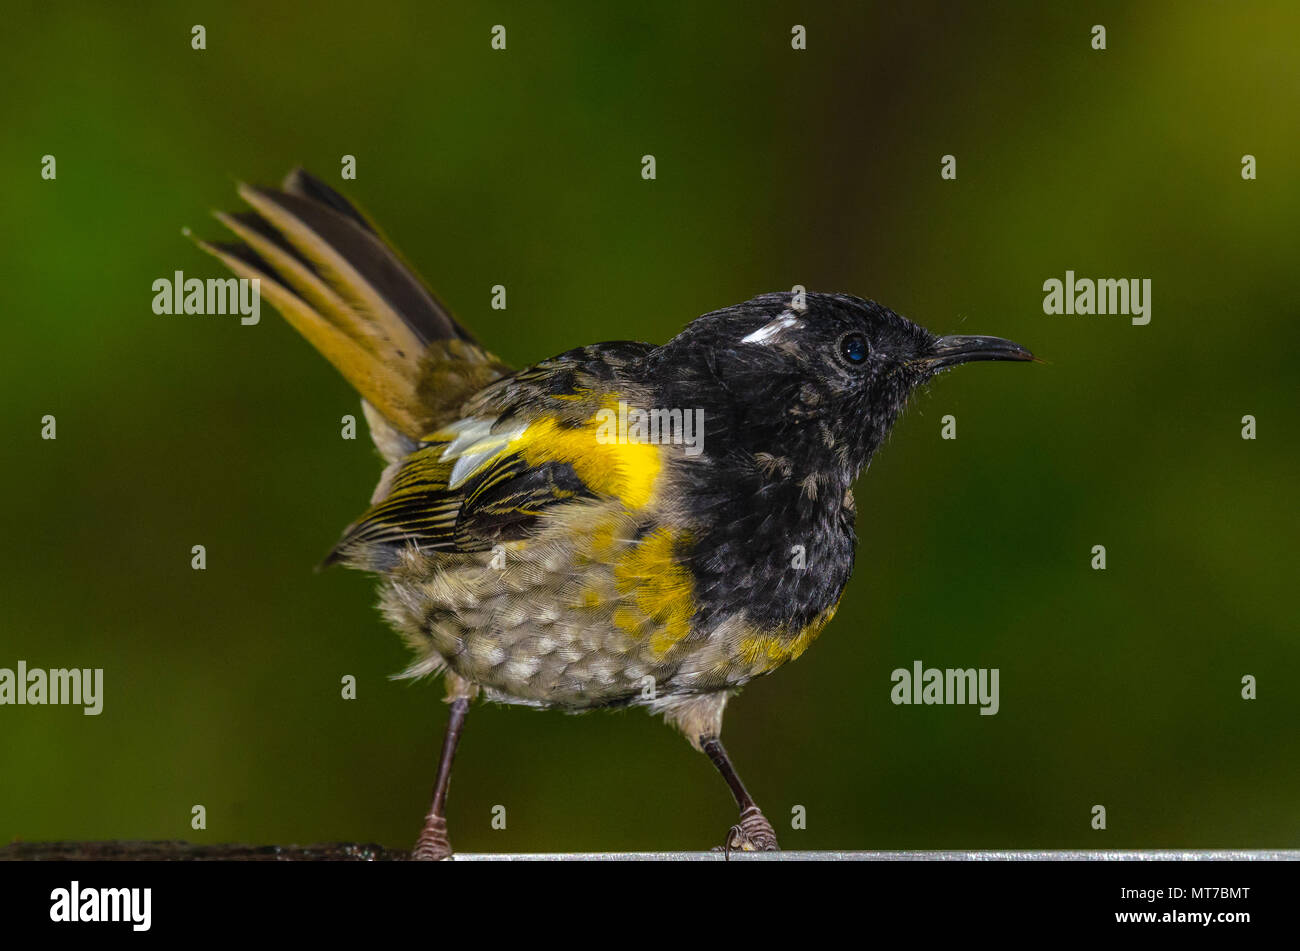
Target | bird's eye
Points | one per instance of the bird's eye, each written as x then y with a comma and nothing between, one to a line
855,349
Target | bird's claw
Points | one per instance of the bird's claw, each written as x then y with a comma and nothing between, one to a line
753,833
433,844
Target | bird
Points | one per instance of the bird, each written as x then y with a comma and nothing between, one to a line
623,524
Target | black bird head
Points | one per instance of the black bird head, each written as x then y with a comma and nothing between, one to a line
819,385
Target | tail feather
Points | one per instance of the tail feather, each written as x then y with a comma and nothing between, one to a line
294,270
426,314
394,394
298,182
330,273
353,262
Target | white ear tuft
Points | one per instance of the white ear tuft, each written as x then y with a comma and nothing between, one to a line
769,330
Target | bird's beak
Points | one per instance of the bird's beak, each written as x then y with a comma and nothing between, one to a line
950,351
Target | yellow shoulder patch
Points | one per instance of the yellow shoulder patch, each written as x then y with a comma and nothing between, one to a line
623,470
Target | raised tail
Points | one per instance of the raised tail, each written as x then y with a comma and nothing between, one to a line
325,267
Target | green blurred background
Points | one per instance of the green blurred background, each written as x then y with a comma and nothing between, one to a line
775,167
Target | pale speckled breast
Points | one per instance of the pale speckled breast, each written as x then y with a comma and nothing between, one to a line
577,617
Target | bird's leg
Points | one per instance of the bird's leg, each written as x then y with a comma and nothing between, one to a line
433,844
753,833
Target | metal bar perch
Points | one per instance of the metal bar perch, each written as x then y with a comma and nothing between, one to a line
362,852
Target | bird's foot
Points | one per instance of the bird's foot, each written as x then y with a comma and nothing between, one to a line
753,833
433,844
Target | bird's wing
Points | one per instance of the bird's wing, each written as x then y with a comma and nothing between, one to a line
490,477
